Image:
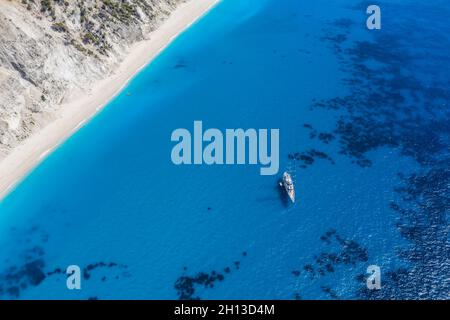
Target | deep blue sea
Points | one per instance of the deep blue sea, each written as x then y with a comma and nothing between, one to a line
364,129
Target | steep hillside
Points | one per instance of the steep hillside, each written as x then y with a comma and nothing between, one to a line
53,50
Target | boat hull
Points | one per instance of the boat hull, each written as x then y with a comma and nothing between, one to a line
291,195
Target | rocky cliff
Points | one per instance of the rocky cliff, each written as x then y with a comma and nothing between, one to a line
52,50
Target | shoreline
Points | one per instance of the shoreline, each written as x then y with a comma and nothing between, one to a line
72,116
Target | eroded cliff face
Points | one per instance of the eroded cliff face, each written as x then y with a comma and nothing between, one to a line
52,50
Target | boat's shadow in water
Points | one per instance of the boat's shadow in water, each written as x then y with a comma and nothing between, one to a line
284,198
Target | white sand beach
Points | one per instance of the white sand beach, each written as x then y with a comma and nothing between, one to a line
73,115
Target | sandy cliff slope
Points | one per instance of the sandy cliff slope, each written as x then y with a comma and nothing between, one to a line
51,51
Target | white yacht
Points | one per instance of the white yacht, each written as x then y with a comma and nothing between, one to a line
288,185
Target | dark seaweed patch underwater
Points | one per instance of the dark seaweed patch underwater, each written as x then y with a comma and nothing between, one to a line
187,286
31,268
398,97
341,252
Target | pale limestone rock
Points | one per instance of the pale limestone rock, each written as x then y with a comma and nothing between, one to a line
48,57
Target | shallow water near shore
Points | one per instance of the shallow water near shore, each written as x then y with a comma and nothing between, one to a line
111,201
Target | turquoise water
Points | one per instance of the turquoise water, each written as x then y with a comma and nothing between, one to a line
111,201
